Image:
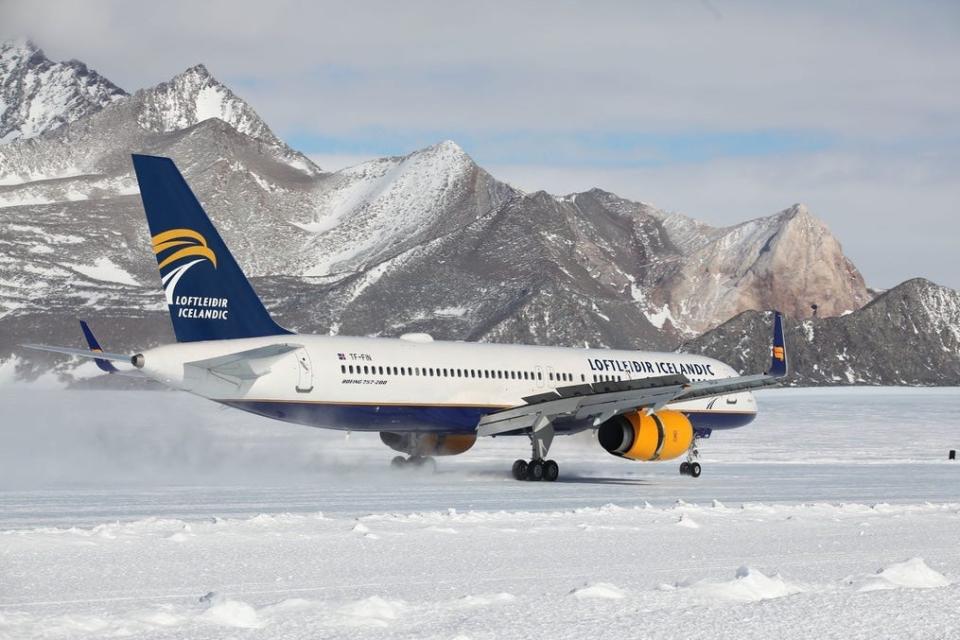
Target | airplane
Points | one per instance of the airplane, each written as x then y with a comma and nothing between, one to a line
425,397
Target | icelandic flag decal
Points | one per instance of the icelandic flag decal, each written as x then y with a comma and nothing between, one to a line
342,356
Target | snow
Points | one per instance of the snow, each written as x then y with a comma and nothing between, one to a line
749,585
39,95
106,270
911,574
158,515
600,590
363,210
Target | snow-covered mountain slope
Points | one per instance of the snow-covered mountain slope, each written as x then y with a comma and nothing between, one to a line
908,335
38,95
374,211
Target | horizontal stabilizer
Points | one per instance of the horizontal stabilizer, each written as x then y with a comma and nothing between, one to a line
83,353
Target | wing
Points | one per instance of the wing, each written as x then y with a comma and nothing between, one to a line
243,366
603,400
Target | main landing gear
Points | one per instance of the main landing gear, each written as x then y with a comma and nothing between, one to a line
538,468
418,462
690,467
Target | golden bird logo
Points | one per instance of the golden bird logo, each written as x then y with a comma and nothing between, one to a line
179,244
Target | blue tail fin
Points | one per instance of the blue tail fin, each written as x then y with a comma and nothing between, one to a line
103,365
778,358
207,294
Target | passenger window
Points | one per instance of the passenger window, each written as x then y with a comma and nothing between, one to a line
550,375
539,375
366,369
343,368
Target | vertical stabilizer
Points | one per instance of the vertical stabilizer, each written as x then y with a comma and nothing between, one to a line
207,294
778,356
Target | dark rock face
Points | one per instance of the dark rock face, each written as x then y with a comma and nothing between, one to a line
909,335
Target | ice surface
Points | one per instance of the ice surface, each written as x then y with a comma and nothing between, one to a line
162,516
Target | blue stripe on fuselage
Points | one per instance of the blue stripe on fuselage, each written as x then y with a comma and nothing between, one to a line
445,419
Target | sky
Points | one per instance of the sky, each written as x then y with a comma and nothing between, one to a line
721,110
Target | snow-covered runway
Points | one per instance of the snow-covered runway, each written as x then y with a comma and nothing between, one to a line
836,514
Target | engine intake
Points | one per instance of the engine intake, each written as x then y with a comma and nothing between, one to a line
663,435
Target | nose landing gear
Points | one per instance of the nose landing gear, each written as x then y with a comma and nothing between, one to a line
690,467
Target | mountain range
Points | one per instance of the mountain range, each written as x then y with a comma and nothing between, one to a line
428,242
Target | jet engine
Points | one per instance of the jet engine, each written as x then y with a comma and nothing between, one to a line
429,444
663,435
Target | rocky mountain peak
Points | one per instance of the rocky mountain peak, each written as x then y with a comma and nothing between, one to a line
445,156
193,96
38,95
907,335
18,50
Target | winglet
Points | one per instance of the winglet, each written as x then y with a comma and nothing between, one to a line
104,365
778,359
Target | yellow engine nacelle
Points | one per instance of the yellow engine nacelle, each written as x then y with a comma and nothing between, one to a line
663,435
429,444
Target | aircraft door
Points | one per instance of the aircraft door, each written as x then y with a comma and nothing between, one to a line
551,379
304,371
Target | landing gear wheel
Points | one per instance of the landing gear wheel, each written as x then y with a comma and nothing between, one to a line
695,469
535,470
398,462
551,470
520,470
684,468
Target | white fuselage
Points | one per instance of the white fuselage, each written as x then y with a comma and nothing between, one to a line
410,384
